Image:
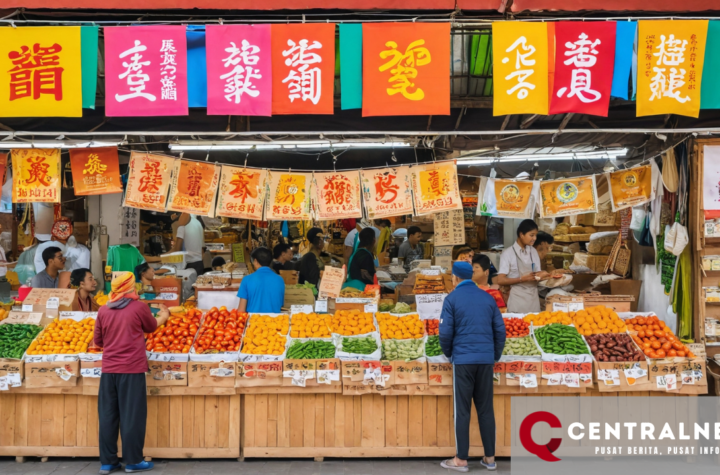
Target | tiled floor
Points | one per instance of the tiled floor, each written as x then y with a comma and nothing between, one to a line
251,467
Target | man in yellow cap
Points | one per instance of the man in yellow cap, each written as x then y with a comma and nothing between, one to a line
122,400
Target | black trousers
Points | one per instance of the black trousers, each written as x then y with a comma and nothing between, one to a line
122,407
473,382
198,266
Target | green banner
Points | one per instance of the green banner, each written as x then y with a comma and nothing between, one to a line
350,66
89,59
709,92
481,60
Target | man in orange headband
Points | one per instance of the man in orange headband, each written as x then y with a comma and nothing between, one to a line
122,400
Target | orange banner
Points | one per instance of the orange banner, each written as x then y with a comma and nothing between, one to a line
289,196
630,187
337,195
435,188
3,167
387,192
568,196
405,69
95,171
148,181
242,193
36,175
193,188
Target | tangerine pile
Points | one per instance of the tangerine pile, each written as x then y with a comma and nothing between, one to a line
598,320
400,328
63,337
266,335
546,318
352,322
310,325
656,339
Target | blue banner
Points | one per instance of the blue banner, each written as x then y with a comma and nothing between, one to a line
624,40
350,66
196,66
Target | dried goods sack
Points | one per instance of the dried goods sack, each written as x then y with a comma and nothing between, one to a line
602,243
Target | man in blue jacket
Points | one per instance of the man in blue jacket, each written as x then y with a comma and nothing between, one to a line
472,335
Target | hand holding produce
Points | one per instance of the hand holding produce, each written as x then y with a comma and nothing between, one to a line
614,347
406,350
400,328
432,327
313,349
524,346
597,320
656,339
310,325
359,346
63,337
176,335
545,318
266,335
516,327
352,322
220,331
15,339
432,346
560,339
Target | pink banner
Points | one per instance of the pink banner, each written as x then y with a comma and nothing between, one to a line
239,70
145,71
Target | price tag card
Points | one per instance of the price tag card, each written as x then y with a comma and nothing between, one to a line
528,381
27,308
371,308
4,384
321,306
660,382
671,382
14,380
331,282
429,306
429,271
53,303
687,377
168,296
301,309
571,380
555,379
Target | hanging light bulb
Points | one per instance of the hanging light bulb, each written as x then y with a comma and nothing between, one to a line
393,157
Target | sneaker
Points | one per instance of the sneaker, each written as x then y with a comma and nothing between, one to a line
489,466
451,466
139,467
108,469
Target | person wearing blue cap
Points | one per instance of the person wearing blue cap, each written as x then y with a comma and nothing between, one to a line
472,336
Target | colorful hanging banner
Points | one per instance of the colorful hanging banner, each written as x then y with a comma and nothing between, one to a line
95,171
193,187
303,66
631,187
148,181
242,193
584,58
239,70
671,54
520,68
435,188
145,71
405,69
3,168
568,196
197,66
625,32
337,195
710,96
289,196
36,175
41,72
387,192
508,198
350,65
89,60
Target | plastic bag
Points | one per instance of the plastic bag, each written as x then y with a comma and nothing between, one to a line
637,223
676,238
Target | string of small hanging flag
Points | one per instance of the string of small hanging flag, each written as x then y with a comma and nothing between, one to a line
384,68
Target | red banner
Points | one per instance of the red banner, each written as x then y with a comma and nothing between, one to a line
584,62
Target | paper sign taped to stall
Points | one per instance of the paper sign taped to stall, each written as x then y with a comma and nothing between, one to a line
27,318
41,296
429,306
331,282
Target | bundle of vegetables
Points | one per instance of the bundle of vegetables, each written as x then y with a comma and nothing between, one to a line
359,346
312,349
15,339
560,339
432,346
406,350
524,346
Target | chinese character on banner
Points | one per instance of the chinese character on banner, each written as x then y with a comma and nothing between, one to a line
671,55
568,196
36,175
96,171
303,68
42,72
145,71
130,226
289,196
242,193
337,195
387,192
435,188
403,69
520,68
584,62
194,186
239,70
148,181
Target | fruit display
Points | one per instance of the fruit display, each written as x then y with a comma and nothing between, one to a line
400,328
516,327
64,337
429,284
560,339
101,298
15,339
546,318
310,325
266,335
352,322
432,327
177,335
598,320
3,314
656,339
359,346
400,307
613,347
402,350
524,346
432,346
221,331
312,349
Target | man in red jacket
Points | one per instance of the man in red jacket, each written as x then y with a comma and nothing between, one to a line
122,399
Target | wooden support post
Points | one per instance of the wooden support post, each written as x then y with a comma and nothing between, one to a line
20,459
148,459
319,459
43,459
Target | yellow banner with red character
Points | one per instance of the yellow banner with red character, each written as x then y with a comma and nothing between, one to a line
289,196
36,175
568,196
148,181
337,195
242,193
95,171
193,188
435,188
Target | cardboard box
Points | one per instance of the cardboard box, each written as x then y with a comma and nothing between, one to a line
170,286
411,372
51,374
268,374
596,262
211,374
627,287
167,373
38,299
90,373
291,277
440,374
298,296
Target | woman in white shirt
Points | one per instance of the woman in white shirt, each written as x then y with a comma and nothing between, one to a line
520,269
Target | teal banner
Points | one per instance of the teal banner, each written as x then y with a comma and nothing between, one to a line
350,66
89,61
709,92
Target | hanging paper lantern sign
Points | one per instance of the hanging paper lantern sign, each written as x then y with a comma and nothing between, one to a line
242,193
193,188
289,197
36,175
631,187
435,188
387,192
337,195
509,198
148,181
95,171
568,196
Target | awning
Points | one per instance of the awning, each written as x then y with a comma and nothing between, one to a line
611,5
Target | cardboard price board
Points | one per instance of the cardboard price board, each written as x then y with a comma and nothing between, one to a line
238,252
376,373
311,373
167,291
51,374
39,297
688,376
167,373
298,296
259,374
440,374
211,374
412,372
331,282
26,318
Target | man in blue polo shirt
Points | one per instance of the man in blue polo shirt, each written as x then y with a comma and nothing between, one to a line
263,291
